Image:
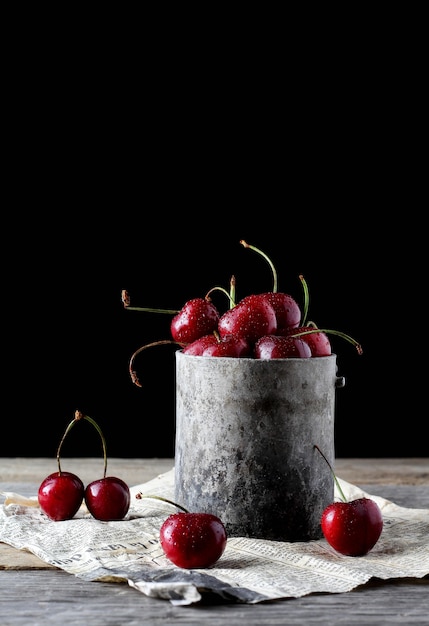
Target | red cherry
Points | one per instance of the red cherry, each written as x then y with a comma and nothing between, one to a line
197,347
288,313
196,318
193,540
60,495
228,346
352,528
251,318
318,341
210,345
108,498
278,347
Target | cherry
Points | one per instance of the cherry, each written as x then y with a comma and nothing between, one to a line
60,494
196,318
351,527
213,345
197,347
108,498
317,339
251,318
193,540
278,347
318,342
229,346
288,313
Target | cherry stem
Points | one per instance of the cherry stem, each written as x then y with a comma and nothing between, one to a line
267,258
163,342
141,495
67,430
126,302
77,417
230,298
100,432
343,497
306,300
329,332
232,291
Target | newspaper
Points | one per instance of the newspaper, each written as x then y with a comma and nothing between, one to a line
249,571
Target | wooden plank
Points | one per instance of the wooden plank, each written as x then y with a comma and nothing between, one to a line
132,471
136,471
55,597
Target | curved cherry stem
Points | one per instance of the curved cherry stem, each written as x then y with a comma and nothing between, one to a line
67,430
329,332
163,342
228,295
126,302
267,258
77,417
140,496
343,497
103,440
306,300
232,292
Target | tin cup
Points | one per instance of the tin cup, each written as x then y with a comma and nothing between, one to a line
246,431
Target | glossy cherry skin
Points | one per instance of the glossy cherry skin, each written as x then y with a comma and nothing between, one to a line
352,528
318,341
197,347
278,347
60,495
251,318
196,318
210,345
193,540
288,313
229,346
108,499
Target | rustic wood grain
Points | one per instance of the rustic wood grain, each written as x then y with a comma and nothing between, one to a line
33,598
135,471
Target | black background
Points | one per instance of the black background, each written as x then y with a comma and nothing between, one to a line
69,339
122,177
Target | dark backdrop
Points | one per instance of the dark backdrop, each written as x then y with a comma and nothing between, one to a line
145,176
68,339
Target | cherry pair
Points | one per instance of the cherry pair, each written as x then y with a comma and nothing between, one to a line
61,494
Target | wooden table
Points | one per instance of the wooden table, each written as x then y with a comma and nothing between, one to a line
33,592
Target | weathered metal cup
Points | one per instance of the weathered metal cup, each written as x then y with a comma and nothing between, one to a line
245,436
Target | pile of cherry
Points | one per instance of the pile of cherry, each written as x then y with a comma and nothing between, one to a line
268,325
